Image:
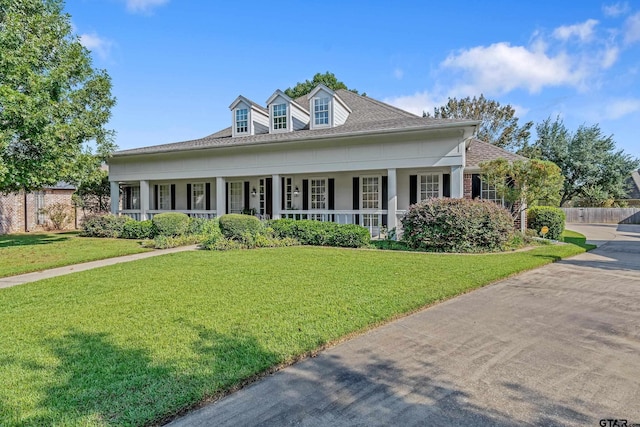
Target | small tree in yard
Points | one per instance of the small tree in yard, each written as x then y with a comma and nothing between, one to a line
524,183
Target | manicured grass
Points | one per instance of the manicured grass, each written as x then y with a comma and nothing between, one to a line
132,343
575,238
24,253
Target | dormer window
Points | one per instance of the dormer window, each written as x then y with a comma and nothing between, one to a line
321,111
280,116
242,120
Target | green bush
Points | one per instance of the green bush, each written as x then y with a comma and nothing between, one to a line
316,233
202,226
540,216
171,224
166,242
234,226
137,230
457,225
104,226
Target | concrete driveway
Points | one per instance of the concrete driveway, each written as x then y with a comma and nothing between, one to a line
556,346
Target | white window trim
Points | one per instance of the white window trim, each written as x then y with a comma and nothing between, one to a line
326,194
329,124
499,201
235,121
440,184
379,192
241,196
287,116
193,199
159,207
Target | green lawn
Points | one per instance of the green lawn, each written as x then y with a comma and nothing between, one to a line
573,237
133,343
24,253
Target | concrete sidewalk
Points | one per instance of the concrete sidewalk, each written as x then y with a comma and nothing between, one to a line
7,282
559,345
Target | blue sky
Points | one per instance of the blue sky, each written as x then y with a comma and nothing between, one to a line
177,65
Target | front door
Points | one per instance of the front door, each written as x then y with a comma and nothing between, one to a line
266,197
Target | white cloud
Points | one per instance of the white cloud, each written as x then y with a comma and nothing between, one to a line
616,9
632,29
96,44
583,31
143,6
398,73
620,108
417,103
609,56
501,68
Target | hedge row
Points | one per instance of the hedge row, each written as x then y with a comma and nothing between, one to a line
541,216
316,233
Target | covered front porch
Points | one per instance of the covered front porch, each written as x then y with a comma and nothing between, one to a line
373,198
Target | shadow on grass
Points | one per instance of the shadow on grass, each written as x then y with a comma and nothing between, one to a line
99,382
10,240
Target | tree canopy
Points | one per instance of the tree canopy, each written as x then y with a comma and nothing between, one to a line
594,171
328,79
53,103
499,125
524,183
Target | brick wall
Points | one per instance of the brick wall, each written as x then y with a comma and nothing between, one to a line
12,211
466,190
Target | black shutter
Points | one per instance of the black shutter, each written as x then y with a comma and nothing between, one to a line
385,193
413,189
283,190
356,197
446,185
127,197
332,194
173,197
385,198
246,195
155,197
188,197
475,185
226,197
305,194
207,196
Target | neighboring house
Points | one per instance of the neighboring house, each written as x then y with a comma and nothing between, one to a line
331,155
20,212
633,183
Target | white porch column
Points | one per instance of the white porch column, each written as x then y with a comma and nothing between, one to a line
144,199
457,182
276,194
392,202
115,196
221,196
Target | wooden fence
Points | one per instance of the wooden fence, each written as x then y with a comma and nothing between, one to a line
603,215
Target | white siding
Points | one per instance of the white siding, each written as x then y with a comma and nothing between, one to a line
260,121
340,114
299,117
414,150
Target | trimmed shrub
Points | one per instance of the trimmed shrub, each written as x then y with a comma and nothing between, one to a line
540,216
104,226
202,226
235,226
166,242
137,230
457,225
171,224
316,233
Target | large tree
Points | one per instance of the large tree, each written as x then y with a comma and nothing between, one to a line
328,79
594,171
499,125
53,103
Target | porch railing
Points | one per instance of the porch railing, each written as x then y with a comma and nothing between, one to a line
373,220
136,214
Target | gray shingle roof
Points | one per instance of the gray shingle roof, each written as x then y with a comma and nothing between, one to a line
480,151
367,115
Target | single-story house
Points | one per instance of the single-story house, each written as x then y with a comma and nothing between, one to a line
330,155
26,211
